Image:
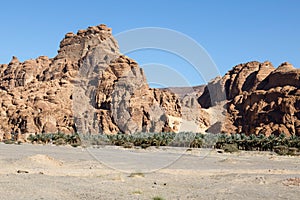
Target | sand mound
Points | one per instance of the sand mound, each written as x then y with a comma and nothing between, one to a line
45,160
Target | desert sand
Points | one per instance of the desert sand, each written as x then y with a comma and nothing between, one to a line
64,172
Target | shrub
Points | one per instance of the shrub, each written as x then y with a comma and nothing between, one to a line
8,142
230,148
60,141
281,150
293,151
56,138
128,145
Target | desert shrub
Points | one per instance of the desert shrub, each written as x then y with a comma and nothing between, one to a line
128,145
230,148
8,141
60,141
293,151
55,138
281,150
158,198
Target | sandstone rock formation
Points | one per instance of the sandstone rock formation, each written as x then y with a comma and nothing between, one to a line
261,99
91,88
88,87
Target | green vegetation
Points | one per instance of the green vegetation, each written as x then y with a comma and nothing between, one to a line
281,144
229,143
158,198
8,141
230,148
55,138
145,140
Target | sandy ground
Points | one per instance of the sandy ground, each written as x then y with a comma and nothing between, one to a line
63,172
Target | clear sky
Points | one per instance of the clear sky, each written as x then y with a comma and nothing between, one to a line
231,31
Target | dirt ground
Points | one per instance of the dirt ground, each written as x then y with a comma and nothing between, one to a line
63,172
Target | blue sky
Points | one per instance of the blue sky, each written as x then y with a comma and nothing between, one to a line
231,31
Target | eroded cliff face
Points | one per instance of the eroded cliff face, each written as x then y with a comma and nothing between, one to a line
88,87
91,88
273,107
260,99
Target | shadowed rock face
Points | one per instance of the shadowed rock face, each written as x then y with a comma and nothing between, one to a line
88,87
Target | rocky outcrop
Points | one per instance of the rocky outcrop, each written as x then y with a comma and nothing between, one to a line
34,98
260,99
273,107
88,87
192,117
242,78
91,88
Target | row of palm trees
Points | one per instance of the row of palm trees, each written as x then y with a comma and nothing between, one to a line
144,140
258,142
280,143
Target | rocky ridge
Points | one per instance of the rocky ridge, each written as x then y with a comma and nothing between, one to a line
88,87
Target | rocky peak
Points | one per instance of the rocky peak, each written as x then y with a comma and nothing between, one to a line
285,67
284,75
245,77
14,60
75,46
242,78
